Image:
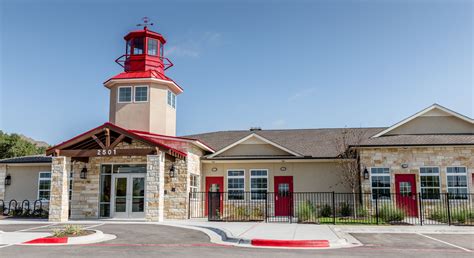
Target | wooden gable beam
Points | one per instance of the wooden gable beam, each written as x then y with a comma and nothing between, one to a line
117,141
107,138
98,141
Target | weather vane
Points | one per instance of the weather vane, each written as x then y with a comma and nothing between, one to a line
146,22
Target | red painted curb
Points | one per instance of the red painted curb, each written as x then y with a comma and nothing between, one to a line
290,243
48,240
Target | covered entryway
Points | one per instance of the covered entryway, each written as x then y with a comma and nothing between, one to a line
405,185
117,173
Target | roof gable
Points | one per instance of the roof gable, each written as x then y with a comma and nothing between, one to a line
254,145
433,120
107,137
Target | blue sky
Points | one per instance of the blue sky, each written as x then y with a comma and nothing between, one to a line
278,64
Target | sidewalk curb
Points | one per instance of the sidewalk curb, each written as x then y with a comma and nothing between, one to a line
219,236
97,237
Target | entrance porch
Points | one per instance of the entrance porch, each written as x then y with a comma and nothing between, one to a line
110,172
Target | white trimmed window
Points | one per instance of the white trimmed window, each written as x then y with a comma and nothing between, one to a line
141,93
236,184
194,185
124,94
44,186
430,185
457,182
258,184
380,182
171,99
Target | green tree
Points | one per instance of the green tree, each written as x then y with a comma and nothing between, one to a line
13,145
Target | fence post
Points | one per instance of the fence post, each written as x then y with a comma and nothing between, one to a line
189,206
334,208
449,210
266,207
377,208
420,201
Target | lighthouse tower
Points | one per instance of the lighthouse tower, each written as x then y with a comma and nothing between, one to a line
142,97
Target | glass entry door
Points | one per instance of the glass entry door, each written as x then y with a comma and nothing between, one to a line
128,196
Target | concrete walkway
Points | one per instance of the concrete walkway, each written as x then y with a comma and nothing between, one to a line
242,233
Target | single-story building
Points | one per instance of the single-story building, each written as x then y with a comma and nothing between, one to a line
134,166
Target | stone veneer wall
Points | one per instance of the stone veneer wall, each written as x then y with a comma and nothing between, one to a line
177,188
86,192
417,157
59,196
154,188
3,174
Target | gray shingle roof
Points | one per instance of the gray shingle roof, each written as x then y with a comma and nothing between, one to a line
320,143
27,159
315,143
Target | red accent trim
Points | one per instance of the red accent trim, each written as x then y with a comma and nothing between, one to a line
290,243
48,240
112,126
172,137
143,75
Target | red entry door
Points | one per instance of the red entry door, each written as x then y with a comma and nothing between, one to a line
283,195
214,189
405,187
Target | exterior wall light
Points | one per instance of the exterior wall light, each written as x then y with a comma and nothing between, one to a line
8,180
283,169
366,173
214,169
83,173
172,171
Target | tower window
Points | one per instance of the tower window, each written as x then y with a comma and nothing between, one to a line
125,94
138,46
152,47
141,93
172,99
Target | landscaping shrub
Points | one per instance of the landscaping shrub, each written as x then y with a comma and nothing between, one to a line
326,211
439,215
306,212
462,216
68,230
361,212
345,209
257,214
391,214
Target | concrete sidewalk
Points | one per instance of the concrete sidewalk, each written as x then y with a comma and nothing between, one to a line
242,233
428,229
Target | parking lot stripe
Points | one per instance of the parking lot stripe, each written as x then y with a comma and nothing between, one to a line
44,226
98,225
444,242
3,246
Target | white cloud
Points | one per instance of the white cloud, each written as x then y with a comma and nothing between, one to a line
194,45
302,94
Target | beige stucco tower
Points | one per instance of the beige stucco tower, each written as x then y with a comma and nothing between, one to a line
142,97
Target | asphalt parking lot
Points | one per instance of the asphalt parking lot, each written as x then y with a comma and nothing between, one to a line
145,240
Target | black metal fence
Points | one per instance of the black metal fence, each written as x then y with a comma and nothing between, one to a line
13,208
334,208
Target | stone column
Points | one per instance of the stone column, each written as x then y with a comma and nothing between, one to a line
154,189
59,196
3,174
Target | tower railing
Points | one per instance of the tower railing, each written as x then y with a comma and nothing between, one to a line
123,58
